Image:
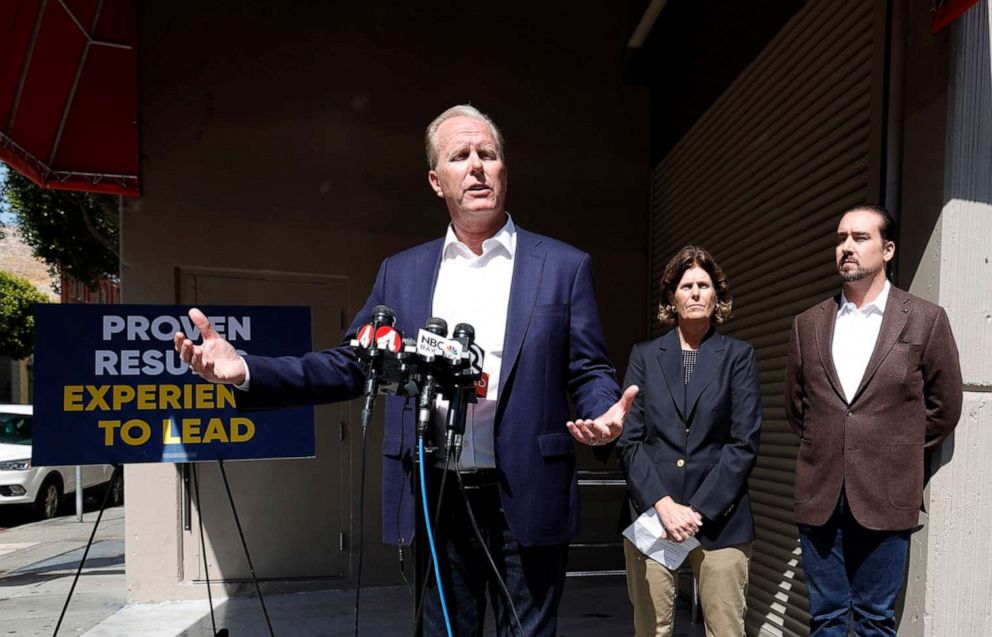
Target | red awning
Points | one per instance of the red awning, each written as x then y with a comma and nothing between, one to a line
69,93
944,12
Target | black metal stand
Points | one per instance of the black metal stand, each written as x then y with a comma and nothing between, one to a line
426,560
421,552
485,549
114,477
203,550
366,419
244,545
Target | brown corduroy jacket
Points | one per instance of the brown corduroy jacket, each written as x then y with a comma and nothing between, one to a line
909,400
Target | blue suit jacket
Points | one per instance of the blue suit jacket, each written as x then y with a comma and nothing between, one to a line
721,407
553,350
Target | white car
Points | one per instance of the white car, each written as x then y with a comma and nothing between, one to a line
22,483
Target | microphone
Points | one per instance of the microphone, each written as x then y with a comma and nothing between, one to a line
364,337
389,339
428,388
458,406
464,334
382,317
406,384
367,334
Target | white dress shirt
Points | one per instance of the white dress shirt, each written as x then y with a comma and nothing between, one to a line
855,333
475,289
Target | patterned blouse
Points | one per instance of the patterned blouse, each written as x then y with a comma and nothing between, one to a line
688,362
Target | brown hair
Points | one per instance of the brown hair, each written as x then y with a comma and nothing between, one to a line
684,260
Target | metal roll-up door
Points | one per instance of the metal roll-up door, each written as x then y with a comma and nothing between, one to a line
759,181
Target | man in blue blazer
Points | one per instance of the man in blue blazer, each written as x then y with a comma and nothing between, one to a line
532,303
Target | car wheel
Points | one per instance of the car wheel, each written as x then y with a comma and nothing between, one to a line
49,499
116,497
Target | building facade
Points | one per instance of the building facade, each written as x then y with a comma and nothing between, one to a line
281,160
844,103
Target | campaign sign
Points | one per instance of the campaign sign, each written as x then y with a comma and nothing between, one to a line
110,387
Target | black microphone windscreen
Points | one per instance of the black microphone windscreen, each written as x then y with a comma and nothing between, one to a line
383,315
437,326
464,330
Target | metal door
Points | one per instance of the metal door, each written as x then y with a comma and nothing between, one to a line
294,512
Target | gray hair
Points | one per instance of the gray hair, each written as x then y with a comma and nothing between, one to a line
461,110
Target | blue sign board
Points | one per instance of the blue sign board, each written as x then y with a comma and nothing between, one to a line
110,387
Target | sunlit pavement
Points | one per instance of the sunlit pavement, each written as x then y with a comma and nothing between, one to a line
39,559
37,563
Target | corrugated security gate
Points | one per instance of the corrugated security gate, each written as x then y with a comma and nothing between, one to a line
759,181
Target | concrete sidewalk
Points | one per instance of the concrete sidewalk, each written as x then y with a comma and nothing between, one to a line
590,609
39,560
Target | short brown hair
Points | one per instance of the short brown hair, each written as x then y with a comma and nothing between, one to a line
684,260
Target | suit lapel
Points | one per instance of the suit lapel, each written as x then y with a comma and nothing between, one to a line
894,319
421,287
670,362
528,269
711,353
825,321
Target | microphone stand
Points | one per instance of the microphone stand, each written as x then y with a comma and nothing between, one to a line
371,388
457,414
422,552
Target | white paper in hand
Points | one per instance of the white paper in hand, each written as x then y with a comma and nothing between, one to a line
645,533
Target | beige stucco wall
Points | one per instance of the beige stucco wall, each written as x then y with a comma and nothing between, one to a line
949,590
959,560
289,138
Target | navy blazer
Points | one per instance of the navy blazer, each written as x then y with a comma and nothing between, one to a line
553,351
707,466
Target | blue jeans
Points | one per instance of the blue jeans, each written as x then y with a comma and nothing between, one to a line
534,576
854,575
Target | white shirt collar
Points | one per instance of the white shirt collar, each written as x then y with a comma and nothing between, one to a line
504,237
878,305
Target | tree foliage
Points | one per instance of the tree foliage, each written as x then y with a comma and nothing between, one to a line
17,296
4,206
75,232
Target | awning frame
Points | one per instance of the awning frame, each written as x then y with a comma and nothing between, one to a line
43,170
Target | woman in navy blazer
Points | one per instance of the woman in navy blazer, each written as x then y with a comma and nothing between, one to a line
689,445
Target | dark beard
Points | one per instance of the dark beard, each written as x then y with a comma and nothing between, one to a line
851,277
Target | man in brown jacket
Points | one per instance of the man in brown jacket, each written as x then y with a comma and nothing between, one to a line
872,380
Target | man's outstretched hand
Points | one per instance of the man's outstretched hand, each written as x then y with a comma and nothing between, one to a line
607,427
215,359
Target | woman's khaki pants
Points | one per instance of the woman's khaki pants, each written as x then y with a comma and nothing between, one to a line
722,577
